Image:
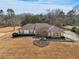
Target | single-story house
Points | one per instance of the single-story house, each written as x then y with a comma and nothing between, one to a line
34,28
42,29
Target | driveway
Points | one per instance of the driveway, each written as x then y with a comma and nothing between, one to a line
71,35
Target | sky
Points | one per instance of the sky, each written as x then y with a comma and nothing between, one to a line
37,6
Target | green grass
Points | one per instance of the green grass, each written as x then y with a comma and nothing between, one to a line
70,27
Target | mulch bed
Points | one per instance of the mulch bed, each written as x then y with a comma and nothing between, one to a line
41,43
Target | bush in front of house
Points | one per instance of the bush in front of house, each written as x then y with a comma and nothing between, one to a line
77,31
55,38
21,34
62,37
15,35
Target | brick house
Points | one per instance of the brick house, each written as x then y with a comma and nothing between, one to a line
42,29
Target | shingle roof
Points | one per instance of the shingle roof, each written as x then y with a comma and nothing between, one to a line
36,26
28,26
55,29
40,27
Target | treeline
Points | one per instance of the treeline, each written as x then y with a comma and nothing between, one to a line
55,17
9,19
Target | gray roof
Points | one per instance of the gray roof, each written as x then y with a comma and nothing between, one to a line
36,26
28,26
56,29
40,27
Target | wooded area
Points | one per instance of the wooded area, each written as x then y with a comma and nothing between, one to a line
55,17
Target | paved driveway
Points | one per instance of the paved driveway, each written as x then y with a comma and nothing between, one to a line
71,35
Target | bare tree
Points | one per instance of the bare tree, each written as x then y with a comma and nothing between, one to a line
76,9
56,17
10,12
11,17
1,17
71,17
1,12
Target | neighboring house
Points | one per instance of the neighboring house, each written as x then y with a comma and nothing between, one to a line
42,29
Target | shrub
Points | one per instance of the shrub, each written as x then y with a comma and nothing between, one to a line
77,31
73,29
14,34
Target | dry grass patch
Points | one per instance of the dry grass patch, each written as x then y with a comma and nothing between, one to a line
8,29
23,48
